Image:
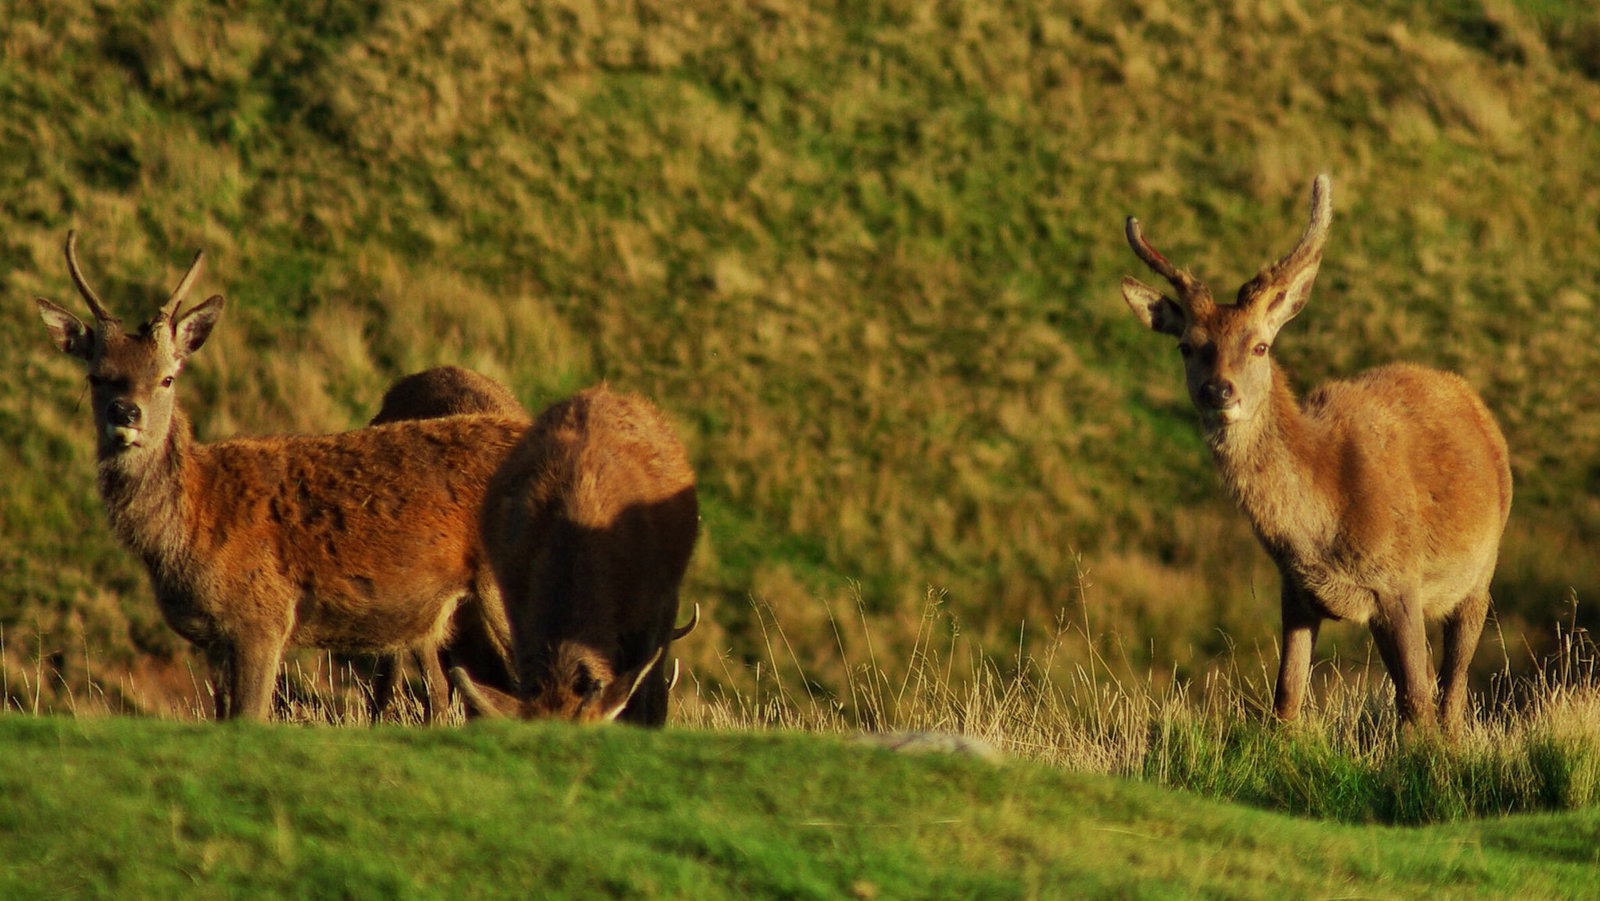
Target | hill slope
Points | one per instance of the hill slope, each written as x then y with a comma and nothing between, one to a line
865,254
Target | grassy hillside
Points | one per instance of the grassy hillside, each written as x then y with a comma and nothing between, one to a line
865,254
131,809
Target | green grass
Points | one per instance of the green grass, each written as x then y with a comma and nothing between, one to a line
129,808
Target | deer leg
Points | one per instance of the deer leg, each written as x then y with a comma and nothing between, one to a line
1300,625
255,672
433,683
385,669
1462,629
1402,640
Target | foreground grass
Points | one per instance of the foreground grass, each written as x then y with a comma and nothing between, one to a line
1531,741
138,808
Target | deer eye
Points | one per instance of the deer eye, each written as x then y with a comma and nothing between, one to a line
166,382
1185,350
1260,350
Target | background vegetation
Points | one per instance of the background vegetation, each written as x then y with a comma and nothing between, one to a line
864,253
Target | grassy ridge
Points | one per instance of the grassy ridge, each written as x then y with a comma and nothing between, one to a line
864,253
127,808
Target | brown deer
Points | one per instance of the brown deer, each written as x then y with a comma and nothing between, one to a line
362,542
446,391
1381,499
480,638
589,525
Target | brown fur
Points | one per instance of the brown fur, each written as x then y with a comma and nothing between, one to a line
480,638
363,541
446,391
589,525
1381,499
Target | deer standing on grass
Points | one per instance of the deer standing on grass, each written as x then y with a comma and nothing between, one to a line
361,542
589,525
480,637
1381,499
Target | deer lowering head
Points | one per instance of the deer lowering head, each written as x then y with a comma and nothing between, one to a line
589,525
1381,499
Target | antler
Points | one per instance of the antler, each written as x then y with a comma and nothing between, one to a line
1192,293
1303,260
169,310
96,306
1309,248
686,628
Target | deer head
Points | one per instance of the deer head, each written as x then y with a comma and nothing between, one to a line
581,687
131,375
1224,346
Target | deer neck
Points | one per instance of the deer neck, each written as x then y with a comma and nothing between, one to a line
144,497
1269,465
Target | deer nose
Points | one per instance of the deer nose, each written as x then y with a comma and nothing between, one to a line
122,412
1217,393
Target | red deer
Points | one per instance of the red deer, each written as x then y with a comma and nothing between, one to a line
480,638
446,391
361,542
1381,499
589,525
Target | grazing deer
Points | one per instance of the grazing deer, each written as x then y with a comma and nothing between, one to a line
1381,499
362,542
480,638
446,391
589,525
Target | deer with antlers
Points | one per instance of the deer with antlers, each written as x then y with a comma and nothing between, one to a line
589,525
363,541
1381,499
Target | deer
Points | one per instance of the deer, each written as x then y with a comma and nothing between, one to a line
446,391
1381,499
480,638
589,525
362,541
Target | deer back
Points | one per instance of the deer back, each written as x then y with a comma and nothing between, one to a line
446,391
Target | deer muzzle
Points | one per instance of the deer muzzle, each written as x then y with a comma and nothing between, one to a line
122,423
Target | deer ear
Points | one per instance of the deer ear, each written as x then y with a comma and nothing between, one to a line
481,701
1157,311
67,331
621,690
194,326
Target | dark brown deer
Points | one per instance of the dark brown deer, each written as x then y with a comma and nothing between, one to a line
589,525
362,542
480,638
1381,499
446,391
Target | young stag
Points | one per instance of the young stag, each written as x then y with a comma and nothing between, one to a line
1381,499
480,638
589,525
361,542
